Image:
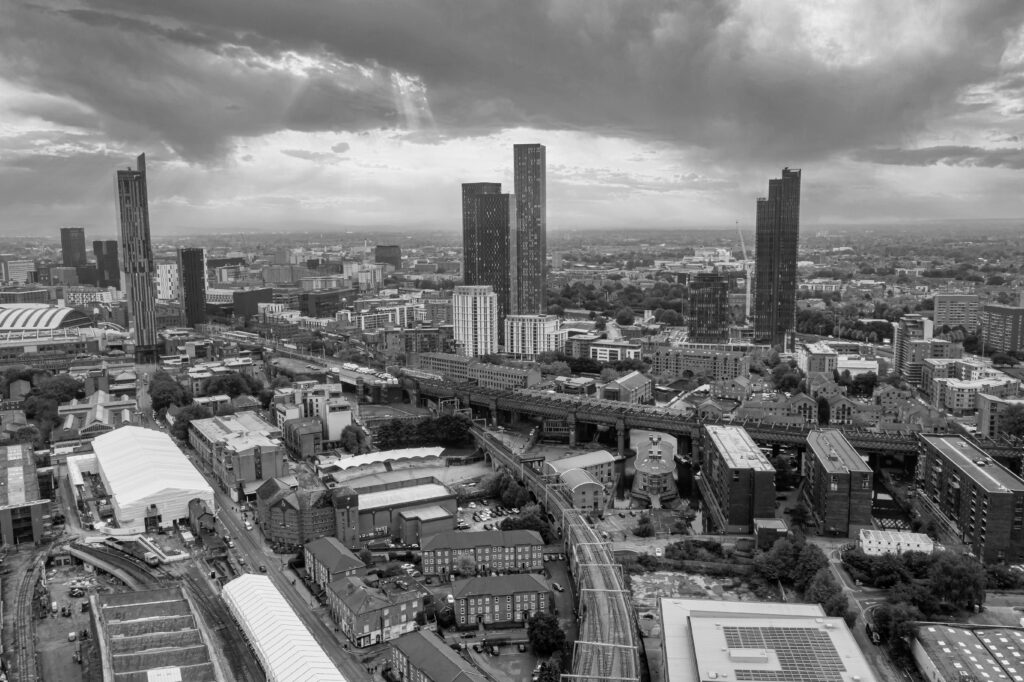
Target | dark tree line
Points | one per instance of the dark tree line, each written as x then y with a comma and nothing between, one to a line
446,430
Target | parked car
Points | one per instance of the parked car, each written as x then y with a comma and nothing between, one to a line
494,651
263,568
477,647
558,588
522,647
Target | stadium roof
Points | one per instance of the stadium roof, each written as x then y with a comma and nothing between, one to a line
138,463
284,646
23,316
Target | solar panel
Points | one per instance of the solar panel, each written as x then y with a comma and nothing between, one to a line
805,654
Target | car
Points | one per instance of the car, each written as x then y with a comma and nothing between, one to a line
622,515
231,543
515,510
522,647
478,647
472,505
494,651
241,560
487,526
407,566
457,646
632,513
561,557
450,598
76,592
72,636
248,526
558,588
263,568
658,551
428,580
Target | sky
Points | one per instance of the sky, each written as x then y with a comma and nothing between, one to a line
259,114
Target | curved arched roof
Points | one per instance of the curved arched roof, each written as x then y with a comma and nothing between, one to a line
32,316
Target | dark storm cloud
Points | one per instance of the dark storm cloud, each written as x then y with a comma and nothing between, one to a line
946,155
691,74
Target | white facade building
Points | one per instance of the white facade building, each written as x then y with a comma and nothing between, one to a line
957,310
526,336
879,542
167,282
475,318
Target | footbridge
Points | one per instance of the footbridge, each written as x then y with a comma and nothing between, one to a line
608,646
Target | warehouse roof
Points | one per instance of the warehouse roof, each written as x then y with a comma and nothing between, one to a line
589,459
138,462
957,651
387,456
574,478
284,646
397,497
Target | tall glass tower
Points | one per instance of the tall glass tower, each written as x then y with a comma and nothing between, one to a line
778,232
137,259
530,180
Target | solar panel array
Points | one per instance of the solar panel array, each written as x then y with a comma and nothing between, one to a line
805,654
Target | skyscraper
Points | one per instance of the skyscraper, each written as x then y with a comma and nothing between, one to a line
475,320
107,266
778,232
709,308
72,246
192,278
471,270
137,259
530,184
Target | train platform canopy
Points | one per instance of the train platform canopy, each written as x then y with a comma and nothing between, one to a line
284,646
143,469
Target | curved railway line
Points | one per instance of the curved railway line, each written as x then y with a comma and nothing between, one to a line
24,640
607,648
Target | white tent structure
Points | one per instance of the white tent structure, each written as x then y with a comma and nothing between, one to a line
285,648
146,475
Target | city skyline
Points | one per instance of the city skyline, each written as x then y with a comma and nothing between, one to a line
269,119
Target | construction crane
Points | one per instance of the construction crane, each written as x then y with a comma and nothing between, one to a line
746,273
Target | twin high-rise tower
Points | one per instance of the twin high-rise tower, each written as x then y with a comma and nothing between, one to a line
777,236
504,236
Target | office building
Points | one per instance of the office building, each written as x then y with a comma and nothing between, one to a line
459,368
475,320
20,271
837,484
981,498
736,479
389,255
137,259
956,310
778,642
168,285
192,282
240,450
1002,327
530,178
72,247
709,316
108,268
527,336
777,236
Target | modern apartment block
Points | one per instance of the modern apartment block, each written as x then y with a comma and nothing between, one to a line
307,399
475,318
990,413
108,267
777,236
168,286
487,550
837,484
137,259
471,256
459,368
531,210
192,283
817,358
956,310
909,328
1002,327
736,479
390,254
980,497
489,222
505,599
526,336
709,317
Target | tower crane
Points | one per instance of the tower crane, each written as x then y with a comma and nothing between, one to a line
746,272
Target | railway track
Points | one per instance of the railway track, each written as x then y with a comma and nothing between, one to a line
607,648
24,640
239,657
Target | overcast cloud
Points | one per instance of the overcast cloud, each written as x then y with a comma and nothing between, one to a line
655,113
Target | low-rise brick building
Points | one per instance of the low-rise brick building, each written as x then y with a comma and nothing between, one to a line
503,599
328,560
424,657
489,550
369,615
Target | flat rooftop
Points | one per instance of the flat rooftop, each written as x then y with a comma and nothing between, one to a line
975,463
835,452
402,496
989,653
738,449
18,483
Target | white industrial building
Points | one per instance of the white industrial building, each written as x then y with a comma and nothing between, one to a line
284,647
879,542
149,480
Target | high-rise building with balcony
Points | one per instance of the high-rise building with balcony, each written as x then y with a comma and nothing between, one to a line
108,268
137,259
956,310
1002,327
530,185
475,320
492,233
72,246
777,237
709,316
471,271
192,280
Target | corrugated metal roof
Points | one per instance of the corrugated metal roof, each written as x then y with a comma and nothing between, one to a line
27,316
138,463
285,647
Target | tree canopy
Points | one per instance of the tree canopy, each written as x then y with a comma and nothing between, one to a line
545,634
164,391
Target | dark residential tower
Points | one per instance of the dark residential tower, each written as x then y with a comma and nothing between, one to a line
530,185
192,283
72,246
137,259
493,218
470,231
709,316
390,254
108,268
778,232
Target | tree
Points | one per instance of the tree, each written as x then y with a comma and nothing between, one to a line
778,562
810,561
353,439
28,434
164,391
892,622
530,518
671,318
785,479
609,374
799,516
824,411
366,556
600,323
1011,422
624,317
1003,359
545,634
644,529
957,579
466,565
185,417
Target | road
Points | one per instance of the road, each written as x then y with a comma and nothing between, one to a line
250,545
